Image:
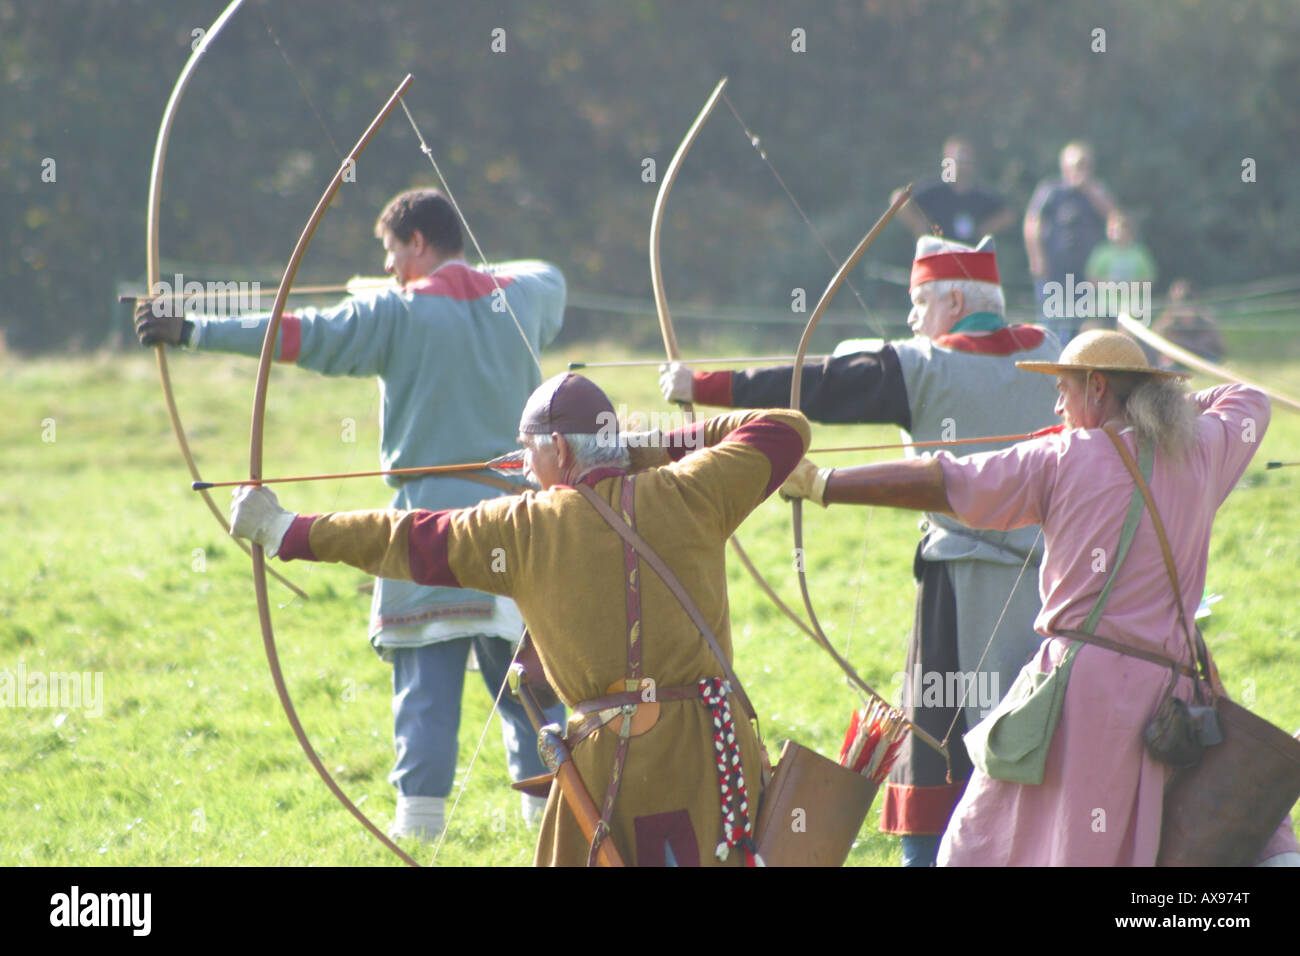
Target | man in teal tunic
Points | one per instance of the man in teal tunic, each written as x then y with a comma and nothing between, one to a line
447,343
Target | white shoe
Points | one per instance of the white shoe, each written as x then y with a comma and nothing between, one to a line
421,817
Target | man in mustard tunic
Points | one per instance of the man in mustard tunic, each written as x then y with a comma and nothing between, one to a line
564,565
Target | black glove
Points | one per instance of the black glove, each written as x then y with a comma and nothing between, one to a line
165,329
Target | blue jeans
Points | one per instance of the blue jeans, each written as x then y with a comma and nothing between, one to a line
427,686
920,849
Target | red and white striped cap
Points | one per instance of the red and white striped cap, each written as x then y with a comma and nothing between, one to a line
955,261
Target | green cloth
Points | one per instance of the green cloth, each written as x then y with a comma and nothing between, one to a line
1109,262
980,322
1011,743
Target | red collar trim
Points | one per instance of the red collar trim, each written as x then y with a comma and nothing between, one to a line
1008,341
458,281
597,475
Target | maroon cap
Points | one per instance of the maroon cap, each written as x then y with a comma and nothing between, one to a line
568,404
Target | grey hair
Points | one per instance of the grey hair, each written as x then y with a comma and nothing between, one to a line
592,450
1158,409
976,296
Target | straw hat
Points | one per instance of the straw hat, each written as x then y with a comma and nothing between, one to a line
1101,350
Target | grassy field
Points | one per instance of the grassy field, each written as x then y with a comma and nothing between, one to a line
112,567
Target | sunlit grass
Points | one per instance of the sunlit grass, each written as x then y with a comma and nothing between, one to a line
112,565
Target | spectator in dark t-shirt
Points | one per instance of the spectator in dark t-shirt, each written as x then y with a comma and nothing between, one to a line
1066,218
952,205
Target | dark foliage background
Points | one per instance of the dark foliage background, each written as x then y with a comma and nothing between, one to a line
544,143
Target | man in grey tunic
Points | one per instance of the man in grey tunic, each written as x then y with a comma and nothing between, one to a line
956,378
454,348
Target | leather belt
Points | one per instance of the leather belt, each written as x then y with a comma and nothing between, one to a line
1132,648
590,715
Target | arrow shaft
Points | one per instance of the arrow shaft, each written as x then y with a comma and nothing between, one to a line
1052,430
734,360
429,470
351,287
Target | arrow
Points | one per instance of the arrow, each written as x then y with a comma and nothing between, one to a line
506,463
1049,430
354,286
736,360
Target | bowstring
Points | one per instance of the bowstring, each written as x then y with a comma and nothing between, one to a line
961,704
424,148
320,119
857,601
338,493
501,294
756,142
937,231
469,769
298,79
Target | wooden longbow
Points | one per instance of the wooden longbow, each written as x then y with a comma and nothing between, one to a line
153,270
255,465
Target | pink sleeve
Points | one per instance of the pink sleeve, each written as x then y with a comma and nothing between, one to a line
1231,425
1003,489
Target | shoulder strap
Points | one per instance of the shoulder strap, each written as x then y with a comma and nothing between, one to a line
1193,648
1127,533
615,521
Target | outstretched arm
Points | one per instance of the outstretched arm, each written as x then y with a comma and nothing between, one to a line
863,387
914,483
405,545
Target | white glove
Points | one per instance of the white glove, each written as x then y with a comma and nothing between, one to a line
807,481
676,382
257,516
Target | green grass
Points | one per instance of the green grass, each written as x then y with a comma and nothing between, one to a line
111,565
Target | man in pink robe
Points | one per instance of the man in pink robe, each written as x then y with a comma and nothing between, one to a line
1101,799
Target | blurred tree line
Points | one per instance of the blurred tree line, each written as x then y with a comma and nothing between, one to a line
542,115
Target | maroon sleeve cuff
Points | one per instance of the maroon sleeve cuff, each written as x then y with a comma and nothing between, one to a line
296,543
427,549
680,442
290,338
713,388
